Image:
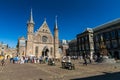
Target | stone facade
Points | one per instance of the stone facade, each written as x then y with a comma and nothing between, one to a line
41,42
110,33
72,51
21,46
3,48
85,43
64,47
90,40
6,51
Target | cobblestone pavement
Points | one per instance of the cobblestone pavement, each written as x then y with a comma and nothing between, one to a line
45,72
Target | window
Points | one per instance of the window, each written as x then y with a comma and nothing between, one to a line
87,46
114,43
108,44
83,47
44,38
119,33
36,50
86,38
95,38
79,47
82,39
101,37
107,36
113,34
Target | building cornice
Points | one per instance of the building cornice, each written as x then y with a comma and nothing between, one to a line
108,24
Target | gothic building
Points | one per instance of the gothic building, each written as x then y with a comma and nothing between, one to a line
40,42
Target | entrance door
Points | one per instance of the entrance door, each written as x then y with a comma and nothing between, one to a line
45,51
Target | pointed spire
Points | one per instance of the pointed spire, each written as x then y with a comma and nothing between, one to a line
56,27
45,20
31,17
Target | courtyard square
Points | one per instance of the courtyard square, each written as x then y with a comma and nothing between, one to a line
38,71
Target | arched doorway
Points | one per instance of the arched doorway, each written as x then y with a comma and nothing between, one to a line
45,51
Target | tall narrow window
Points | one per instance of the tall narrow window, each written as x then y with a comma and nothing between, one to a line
95,38
113,34
36,50
107,36
108,44
82,39
119,33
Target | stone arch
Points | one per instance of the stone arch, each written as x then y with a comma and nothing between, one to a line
45,51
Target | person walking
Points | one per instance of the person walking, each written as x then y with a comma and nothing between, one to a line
84,58
90,61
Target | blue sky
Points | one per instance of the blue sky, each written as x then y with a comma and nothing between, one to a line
74,16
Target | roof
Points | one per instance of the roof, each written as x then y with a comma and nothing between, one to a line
22,38
108,24
73,41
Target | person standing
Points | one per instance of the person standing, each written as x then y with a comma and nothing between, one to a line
3,62
41,59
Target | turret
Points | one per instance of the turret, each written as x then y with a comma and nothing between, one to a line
56,40
30,23
30,32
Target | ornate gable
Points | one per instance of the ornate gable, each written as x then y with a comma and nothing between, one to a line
44,28
42,32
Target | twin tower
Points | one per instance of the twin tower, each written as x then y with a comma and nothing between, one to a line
42,42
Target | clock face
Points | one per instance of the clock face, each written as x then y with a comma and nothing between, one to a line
44,39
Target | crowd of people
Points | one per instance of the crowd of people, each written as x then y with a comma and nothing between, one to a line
29,59
45,59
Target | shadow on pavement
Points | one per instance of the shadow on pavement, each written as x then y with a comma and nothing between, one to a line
105,76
